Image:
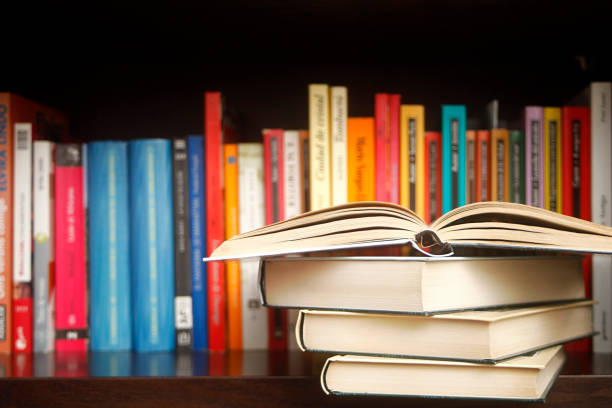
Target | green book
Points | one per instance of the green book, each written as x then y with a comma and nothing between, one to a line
517,166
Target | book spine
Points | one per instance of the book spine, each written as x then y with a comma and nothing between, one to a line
412,134
339,109
361,159
601,209
394,148
292,179
71,331
305,169
109,243
453,156
197,219
183,308
381,118
6,225
42,231
534,156
152,244
22,239
483,140
516,165
433,176
499,165
470,161
214,220
319,137
232,227
252,216
552,159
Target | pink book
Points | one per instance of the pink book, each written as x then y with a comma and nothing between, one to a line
534,156
71,331
381,124
394,148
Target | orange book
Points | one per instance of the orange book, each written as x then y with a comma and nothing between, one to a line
470,163
500,166
234,311
361,159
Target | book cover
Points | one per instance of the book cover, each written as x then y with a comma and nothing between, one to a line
483,165
361,159
305,168
319,138
43,167
534,156
470,171
339,114
433,176
232,227
552,159
412,145
22,239
516,166
197,221
214,218
71,331
453,156
110,305
386,116
152,244
183,308
499,165
252,214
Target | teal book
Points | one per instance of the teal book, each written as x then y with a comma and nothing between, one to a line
517,166
453,157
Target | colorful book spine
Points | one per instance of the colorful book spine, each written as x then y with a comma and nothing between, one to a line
386,115
319,146
109,247
412,144
197,220
552,159
433,176
534,156
516,166
252,213
215,234
6,226
483,165
183,307
43,167
71,331
305,169
152,244
453,156
22,239
470,162
499,165
232,227
361,159
339,113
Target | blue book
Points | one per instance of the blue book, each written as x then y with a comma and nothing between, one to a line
108,243
453,157
195,152
152,244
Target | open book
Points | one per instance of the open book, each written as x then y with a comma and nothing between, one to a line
372,224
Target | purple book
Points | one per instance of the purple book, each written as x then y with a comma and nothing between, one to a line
534,155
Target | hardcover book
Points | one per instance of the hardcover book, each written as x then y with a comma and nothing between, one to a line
319,151
470,171
453,157
499,165
552,159
516,166
386,116
361,159
412,154
483,165
433,176
534,156
338,117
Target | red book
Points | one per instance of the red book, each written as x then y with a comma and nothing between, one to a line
394,148
483,192
386,117
433,176
275,211
71,332
576,182
214,219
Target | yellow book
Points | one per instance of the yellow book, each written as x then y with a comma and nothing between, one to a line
500,166
552,159
412,159
339,113
320,174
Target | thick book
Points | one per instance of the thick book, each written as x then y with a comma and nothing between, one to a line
526,378
197,229
516,166
386,116
361,159
43,282
412,154
422,286
183,308
470,163
108,233
319,146
433,176
152,244
338,116
534,156
552,159
476,336
499,165
483,165
453,156
71,317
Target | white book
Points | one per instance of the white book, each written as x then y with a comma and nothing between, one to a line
319,143
251,202
601,209
339,172
42,165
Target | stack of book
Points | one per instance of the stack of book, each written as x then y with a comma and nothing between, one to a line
432,323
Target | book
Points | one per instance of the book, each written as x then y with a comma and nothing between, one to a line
319,146
71,317
412,154
487,336
43,195
424,285
516,166
183,308
151,244
197,221
470,162
386,117
493,114
252,213
108,231
338,126
499,165
526,378
433,176
534,156
305,168
552,159
453,157
483,164
361,159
